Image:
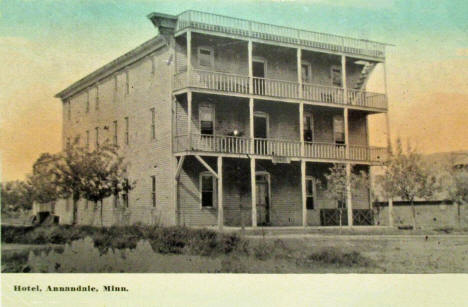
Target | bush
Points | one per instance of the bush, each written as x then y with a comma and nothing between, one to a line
351,259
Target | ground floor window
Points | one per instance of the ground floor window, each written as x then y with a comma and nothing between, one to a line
207,188
310,189
153,190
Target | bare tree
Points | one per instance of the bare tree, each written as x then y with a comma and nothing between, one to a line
335,186
407,177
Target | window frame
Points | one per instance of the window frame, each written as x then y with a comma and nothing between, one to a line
214,198
116,129
213,116
153,190
312,126
97,137
206,48
153,123
127,130
338,67
308,69
334,130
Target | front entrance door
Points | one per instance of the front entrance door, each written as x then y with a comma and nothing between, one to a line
263,199
261,133
258,70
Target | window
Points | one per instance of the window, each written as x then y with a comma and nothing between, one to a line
308,127
115,133
116,200
153,65
97,137
153,124
336,75
306,72
205,57
68,142
68,106
127,140
206,115
125,193
341,204
310,192
87,101
338,129
87,139
207,186
127,82
153,190
97,98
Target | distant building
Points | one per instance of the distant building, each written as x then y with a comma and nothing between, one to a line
228,121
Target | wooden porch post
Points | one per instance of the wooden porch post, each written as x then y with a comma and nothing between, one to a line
299,70
189,58
254,192
220,194
303,193
343,79
249,47
176,200
387,119
189,120
349,198
251,125
301,127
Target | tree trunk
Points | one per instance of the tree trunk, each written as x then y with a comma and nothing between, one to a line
75,211
413,211
102,223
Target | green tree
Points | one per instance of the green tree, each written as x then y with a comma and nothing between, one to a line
335,185
16,196
407,177
104,175
42,179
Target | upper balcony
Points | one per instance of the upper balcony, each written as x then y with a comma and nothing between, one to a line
262,32
284,89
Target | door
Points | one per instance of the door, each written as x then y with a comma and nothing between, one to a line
258,70
263,200
261,133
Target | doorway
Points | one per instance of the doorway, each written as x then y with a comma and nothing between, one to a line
259,73
263,198
261,127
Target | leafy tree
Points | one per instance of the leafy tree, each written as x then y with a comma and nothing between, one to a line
335,185
104,175
42,179
454,182
407,177
16,196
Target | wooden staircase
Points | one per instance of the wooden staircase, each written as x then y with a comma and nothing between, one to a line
365,73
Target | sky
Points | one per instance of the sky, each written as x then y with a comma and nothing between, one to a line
47,45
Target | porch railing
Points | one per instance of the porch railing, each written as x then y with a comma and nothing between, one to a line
235,26
276,147
235,83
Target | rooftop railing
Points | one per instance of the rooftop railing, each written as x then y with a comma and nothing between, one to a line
257,30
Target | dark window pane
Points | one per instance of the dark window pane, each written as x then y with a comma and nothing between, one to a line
207,183
309,187
207,199
206,127
310,203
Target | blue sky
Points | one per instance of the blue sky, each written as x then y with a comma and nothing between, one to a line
46,45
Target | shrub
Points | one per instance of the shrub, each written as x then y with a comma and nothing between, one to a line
351,259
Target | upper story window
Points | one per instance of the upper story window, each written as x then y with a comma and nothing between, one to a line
68,107
127,82
207,190
206,115
127,126
205,57
306,70
153,123
335,75
115,133
153,190
308,127
97,97
87,101
97,137
87,139
338,129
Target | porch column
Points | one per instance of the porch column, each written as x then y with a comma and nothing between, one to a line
250,67
301,127
189,57
349,197
343,79
176,200
299,71
251,125
303,193
387,119
189,119
254,192
220,194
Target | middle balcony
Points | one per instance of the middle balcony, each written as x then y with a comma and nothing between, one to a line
215,124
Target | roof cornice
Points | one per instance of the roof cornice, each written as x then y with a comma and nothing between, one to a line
116,65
